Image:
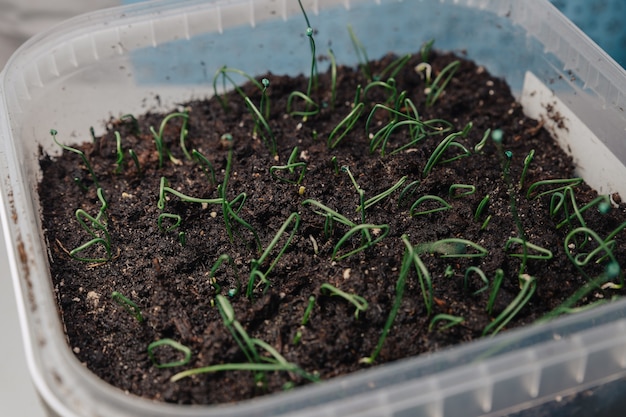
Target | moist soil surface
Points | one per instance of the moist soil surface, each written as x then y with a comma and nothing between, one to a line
169,276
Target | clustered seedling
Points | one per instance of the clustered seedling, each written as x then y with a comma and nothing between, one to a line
392,125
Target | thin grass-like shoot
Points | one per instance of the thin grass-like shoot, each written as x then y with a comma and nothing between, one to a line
291,167
495,289
442,205
172,344
450,320
461,190
378,230
78,152
480,274
292,221
560,184
529,285
357,301
128,305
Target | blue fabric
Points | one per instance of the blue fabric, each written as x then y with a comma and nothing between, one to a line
602,20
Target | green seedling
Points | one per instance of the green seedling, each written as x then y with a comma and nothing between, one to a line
529,285
408,191
560,184
133,121
527,162
92,225
128,305
380,197
333,78
311,108
348,122
426,49
480,145
335,164
175,217
164,188
481,275
602,252
461,190
92,132
220,260
378,230
328,212
577,212
206,165
423,274
159,140
309,34
225,73
495,289
407,261
453,248
540,253
80,153
361,54
292,221
611,271
359,190
356,300
308,311
447,143
291,167
442,205
172,344
259,364
389,86
451,321
120,153
434,88
259,115
481,207
409,118
391,70
135,159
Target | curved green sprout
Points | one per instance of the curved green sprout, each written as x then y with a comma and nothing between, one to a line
446,143
529,285
205,164
174,345
345,126
257,263
407,261
80,153
495,289
177,221
91,225
453,248
357,301
443,205
128,305
560,183
290,167
461,190
158,137
376,229
542,253
481,275
450,319
164,188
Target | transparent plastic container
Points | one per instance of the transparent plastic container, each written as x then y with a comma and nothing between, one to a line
151,56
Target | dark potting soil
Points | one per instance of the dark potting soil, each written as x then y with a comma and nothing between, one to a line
169,276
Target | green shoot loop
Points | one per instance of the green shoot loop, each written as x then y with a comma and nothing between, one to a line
450,320
443,205
480,274
357,301
174,345
379,230
542,253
